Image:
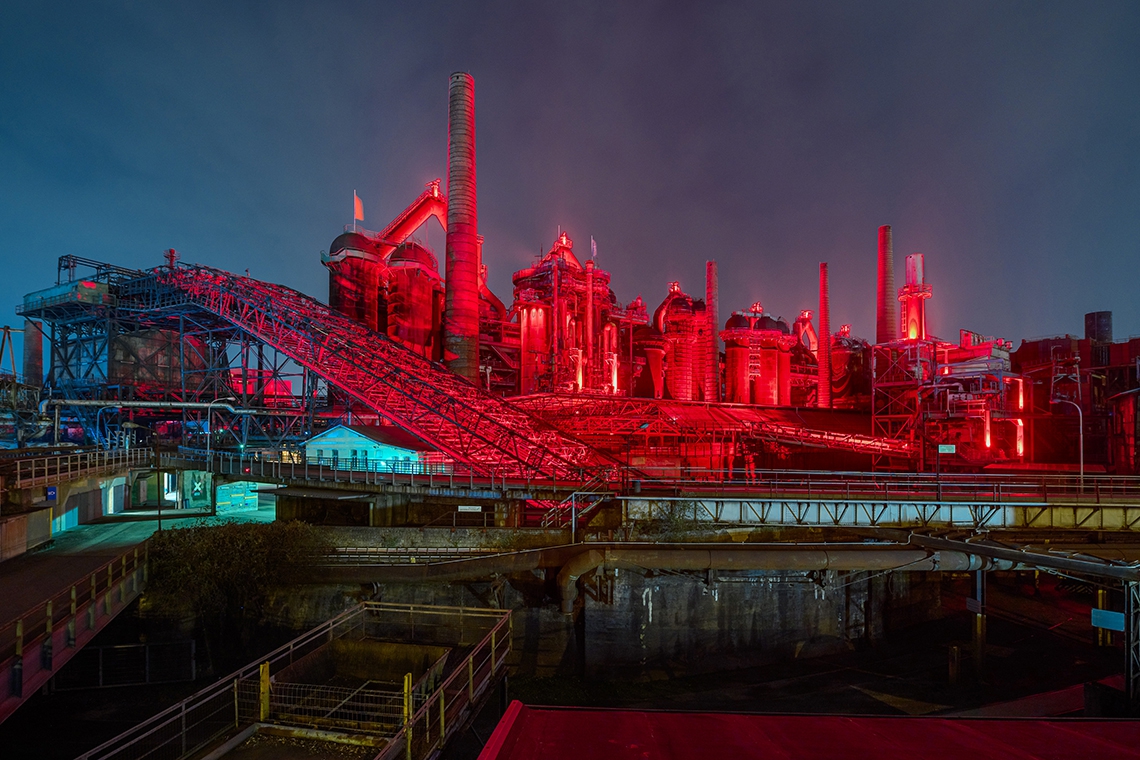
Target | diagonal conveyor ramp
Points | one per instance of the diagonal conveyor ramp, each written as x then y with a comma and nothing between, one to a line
419,395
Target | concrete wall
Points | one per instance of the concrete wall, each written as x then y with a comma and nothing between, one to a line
665,624
683,624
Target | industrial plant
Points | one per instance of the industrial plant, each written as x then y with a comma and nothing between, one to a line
560,462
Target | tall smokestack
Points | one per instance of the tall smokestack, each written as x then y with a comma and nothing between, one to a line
823,392
886,323
461,303
712,366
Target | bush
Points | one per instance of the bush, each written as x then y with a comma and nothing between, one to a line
222,575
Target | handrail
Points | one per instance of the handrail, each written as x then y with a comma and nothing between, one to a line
102,580
225,693
1053,488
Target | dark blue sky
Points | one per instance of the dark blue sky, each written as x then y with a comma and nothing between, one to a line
1000,139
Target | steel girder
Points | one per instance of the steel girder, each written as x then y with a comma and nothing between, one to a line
415,393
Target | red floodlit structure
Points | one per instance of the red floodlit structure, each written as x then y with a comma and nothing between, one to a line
566,342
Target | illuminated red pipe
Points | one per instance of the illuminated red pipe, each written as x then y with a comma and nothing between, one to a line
886,324
823,392
461,303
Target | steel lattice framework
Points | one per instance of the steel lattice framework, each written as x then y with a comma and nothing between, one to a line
412,392
601,420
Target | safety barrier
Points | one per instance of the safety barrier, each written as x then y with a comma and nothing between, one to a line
251,695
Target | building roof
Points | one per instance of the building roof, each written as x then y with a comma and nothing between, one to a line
554,733
387,435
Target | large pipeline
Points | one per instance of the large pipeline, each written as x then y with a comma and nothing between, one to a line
823,355
461,304
886,299
768,557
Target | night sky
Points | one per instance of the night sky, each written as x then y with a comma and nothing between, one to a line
1001,139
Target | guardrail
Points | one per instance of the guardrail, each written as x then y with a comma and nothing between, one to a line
42,471
246,697
60,625
1068,488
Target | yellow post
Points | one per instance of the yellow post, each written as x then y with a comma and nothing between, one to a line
19,637
1103,635
442,719
471,678
110,585
263,694
48,619
408,714
492,651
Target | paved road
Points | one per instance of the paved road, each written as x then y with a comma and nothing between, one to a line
29,579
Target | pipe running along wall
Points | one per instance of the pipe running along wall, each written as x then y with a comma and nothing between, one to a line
769,557
461,304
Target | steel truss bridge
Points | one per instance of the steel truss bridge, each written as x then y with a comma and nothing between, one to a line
222,353
222,336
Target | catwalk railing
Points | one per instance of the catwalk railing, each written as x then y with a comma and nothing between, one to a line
29,472
41,639
439,407
428,713
731,483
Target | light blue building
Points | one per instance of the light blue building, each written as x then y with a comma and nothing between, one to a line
376,448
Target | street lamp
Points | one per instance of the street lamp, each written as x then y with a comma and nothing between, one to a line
1080,435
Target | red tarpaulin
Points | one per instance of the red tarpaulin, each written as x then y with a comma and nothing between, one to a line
556,733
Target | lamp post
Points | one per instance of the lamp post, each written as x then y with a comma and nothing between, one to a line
1080,435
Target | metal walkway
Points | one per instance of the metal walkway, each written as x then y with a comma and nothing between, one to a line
415,393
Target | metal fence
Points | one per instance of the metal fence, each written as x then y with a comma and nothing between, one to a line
1064,488
251,695
34,626
42,471
96,667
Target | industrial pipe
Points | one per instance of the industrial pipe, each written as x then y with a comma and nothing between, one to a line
138,404
461,300
770,557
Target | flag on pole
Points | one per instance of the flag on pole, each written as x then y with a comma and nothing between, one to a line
593,248
357,208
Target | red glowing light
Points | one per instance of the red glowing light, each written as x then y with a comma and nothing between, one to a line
987,424
1020,437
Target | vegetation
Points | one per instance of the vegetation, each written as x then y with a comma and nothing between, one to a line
222,575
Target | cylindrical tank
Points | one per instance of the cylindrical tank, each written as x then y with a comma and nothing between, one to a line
33,352
649,343
355,280
736,357
413,281
1098,326
461,310
679,332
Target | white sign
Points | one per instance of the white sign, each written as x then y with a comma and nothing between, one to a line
470,508
947,448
